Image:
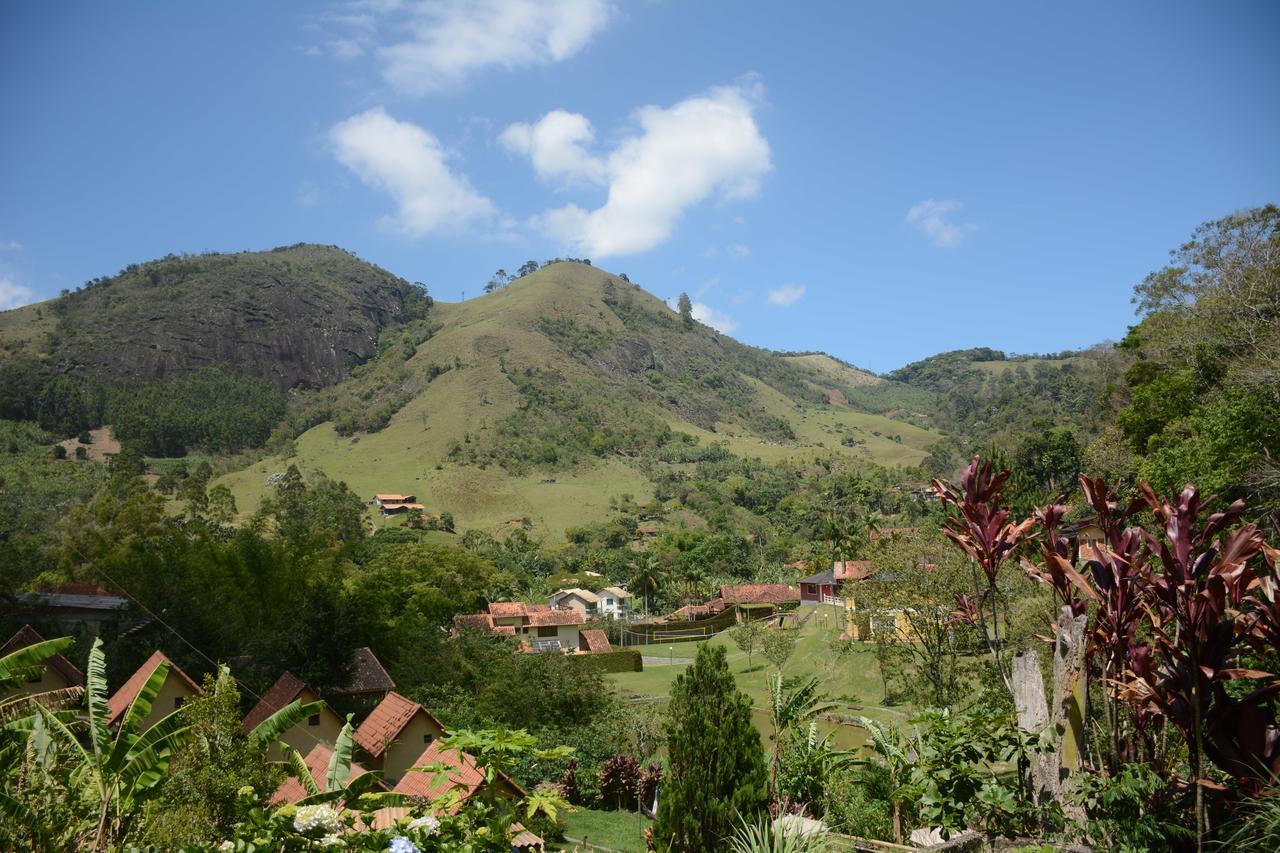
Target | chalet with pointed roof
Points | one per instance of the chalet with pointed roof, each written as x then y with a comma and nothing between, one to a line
55,673
177,689
460,771
395,733
593,641
368,676
317,728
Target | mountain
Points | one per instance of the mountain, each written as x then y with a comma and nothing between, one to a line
541,400
298,316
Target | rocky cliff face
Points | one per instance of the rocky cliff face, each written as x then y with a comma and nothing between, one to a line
297,317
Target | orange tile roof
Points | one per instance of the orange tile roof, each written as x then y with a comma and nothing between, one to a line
547,618
593,640
852,570
461,773
284,691
317,760
508,608
123,698
759,593
28,636
385,722
396,498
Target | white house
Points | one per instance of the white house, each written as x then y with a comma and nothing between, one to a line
584,601
614,601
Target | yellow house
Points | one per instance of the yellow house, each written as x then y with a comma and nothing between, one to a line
395,734
321,728
55,673
177,690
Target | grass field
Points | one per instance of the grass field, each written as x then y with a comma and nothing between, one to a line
852,680
999,368
613,830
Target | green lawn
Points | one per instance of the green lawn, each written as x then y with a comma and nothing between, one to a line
852,680
615,830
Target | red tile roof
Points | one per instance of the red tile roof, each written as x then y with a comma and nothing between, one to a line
547,618
28,636
367,675
284,691
385,722
395,498
759,593
292,789
461,770
123,698
593,640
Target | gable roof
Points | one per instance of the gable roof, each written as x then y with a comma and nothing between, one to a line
617,592
385,722
284,691
292,789
393,497
759,593
28,636
593,640
367,675
123,698
461,770
585,594
507,608
825,578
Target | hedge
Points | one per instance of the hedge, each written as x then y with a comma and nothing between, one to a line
622,660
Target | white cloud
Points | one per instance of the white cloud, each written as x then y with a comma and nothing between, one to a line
934,219
788,294
453,39
12,294
556,145
10,246
682,155
739,251
410,164
704,313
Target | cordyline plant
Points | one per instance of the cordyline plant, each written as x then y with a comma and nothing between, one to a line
1172,611
983,531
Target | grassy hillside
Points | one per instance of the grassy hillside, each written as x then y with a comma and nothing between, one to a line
546,398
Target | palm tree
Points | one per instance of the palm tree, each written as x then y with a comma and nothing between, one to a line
649,576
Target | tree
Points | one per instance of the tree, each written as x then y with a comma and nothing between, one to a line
649,575
686,310
747,637
716,762
779,644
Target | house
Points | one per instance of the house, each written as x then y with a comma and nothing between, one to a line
54,673
537,626
390,504
694,612
318,728
72,606
582,600
648,530
755,600
395,733
369,678
461,774
824,585
1084,536
292,790
177,689
389,499
614,601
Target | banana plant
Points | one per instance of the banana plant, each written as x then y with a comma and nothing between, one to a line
788,710
358,793
123,770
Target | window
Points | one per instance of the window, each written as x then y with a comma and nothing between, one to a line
178,701
548,631
426,739
313,720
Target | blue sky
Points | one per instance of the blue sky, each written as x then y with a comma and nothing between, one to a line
877,180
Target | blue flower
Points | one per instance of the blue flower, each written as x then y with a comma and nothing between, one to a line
400,844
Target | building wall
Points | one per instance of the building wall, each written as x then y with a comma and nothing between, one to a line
174,688
49,679
303,737
408,746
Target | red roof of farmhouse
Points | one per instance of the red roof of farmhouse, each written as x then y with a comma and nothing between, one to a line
460,770
759,593
593,640
547,618
395,498
284,691
123,698
385,722
852,570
